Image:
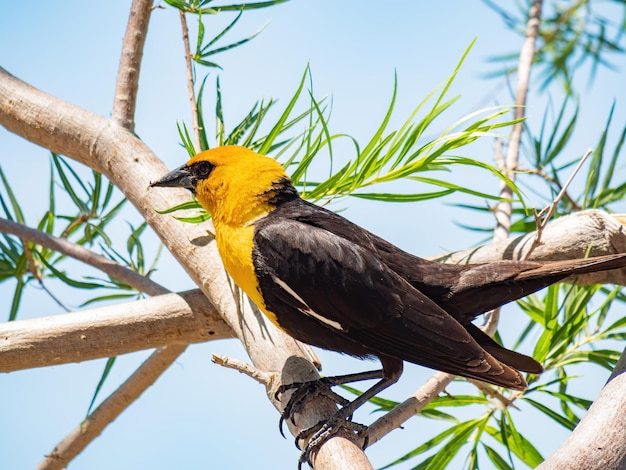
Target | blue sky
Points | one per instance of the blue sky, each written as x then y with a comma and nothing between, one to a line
199,415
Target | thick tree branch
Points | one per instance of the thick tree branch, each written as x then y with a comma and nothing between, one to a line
167,319
585,233
125,99
599,440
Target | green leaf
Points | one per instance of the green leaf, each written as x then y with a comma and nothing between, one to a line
186,139
516,443
204,143
194,204
59,163
562,420
107,369
457,436
195,219
394,197
67,280
280,124
17,298
496,459
17,211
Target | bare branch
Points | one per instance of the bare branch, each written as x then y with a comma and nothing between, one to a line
112,407
590,232
503,210
409,407
184,318
599,440
68,248
128,74
190,83
262,377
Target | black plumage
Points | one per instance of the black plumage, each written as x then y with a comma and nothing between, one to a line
366,297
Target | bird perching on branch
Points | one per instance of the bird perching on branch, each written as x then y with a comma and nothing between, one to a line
327,282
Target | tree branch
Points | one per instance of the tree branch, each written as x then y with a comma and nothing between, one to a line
112,407
599,440
109,331
68,248
190,83
503,210
586,233
125,99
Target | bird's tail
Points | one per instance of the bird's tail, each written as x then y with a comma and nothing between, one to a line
576,266
506,356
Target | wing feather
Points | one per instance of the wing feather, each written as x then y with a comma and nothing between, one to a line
341,296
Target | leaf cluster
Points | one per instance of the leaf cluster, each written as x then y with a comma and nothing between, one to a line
572,34
80,209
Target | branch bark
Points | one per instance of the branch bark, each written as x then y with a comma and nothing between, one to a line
163,320
125,99
66,247
599,440
503,210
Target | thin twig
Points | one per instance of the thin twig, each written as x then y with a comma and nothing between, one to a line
542,218
190,83
262,377
504,209
549,210
112,407
554,181
125,99
68,248
491,391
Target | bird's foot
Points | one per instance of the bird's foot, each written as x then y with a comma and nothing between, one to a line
320,433
304,390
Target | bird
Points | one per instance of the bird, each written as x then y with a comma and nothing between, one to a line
330,283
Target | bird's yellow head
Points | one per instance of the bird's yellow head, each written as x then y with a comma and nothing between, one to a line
234,184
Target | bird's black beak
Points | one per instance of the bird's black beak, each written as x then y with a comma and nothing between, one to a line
179,178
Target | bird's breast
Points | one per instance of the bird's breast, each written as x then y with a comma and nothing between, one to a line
235,245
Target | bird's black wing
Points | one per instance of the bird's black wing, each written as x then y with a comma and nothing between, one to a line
328,291
463,291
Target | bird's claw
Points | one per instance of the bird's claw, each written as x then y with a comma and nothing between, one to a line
304,390
317,435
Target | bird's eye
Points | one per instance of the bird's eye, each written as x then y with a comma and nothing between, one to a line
202,169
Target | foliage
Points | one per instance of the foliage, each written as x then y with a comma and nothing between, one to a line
572,35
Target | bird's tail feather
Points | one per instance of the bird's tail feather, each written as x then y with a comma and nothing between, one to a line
576,266
506,356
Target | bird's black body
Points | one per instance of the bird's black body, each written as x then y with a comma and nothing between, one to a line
350,291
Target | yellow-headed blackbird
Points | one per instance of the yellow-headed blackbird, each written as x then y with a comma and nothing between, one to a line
330,283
